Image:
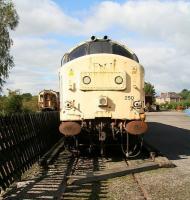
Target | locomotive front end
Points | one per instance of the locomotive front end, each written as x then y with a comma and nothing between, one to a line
102,96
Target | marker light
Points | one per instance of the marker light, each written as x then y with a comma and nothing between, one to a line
118,80
86,80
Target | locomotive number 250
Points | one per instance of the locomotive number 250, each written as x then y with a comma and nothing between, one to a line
129,97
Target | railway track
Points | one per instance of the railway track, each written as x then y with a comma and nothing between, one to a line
142,191
84,177
98,189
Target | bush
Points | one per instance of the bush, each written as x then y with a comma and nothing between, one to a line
13,104
175,105
186,104
30,105
18,103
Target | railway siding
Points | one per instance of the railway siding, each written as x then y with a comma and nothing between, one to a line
54,181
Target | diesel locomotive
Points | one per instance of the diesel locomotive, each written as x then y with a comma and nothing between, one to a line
102,97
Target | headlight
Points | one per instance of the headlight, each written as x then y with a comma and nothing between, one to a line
137,104
86,80
103,101
118,80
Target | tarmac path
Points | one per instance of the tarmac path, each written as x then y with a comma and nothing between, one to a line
169,132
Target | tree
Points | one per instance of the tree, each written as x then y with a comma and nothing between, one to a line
2,103
149,89
16,102
185,94
30,105
13,104
26,96
8,21
188,97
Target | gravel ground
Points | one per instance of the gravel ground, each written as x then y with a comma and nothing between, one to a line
166,184
170,133
124,188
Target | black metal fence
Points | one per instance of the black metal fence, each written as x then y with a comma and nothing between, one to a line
23,139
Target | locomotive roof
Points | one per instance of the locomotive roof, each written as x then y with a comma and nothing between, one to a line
47,91
95,46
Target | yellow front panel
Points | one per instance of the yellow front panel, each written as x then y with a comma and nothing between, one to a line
85,98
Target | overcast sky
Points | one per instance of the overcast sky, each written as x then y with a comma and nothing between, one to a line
157,31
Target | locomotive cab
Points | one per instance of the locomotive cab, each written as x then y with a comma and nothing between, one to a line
102,95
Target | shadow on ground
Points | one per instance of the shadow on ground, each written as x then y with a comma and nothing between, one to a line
94,190
51,184
170,140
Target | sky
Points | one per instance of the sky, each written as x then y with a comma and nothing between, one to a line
157,31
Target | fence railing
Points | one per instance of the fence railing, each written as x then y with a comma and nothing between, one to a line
23,139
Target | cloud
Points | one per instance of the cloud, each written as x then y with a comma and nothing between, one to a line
166,20
151,18
39,52
31,80
154,19
158,31
36,64
165,67
43,17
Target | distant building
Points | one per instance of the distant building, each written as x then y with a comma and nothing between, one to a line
168,97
